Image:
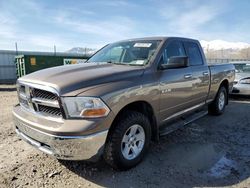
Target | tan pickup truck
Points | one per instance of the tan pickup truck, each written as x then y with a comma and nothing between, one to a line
127,94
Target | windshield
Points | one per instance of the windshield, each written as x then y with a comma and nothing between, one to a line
242,68
128,52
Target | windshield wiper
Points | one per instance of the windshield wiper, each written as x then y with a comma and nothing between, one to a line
120,63
116,63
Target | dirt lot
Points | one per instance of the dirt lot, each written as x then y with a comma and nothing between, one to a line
211,152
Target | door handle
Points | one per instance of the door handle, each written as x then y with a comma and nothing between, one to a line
205,73
188,76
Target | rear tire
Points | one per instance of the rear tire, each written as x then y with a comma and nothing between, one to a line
128,142
217,107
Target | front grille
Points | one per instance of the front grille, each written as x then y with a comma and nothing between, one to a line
39,101
44,94
50,110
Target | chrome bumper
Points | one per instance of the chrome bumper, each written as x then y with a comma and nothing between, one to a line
88,147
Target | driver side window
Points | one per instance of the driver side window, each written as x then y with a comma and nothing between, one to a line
174,49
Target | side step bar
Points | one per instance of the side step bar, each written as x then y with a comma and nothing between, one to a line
182,122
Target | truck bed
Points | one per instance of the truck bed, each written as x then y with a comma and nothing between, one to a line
217,73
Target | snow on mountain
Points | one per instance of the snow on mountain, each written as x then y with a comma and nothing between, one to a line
220,44
80,50
211,45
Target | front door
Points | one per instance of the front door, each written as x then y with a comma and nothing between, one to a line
175,84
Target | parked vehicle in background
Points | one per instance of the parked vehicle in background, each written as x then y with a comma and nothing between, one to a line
242,79
127,94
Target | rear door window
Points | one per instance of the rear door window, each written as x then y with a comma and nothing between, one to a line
193,53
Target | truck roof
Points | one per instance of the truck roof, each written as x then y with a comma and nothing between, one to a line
164,38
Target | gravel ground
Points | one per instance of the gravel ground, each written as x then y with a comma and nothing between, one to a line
211,152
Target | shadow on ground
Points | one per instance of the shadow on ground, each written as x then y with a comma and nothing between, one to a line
212,151
7,87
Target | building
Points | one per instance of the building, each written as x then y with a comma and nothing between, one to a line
7,63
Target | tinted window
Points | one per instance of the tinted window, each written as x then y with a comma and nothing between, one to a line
174,49
193,53
127,52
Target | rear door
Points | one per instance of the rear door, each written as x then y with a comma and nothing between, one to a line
200,73
175,84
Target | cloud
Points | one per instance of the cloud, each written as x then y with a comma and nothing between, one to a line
197,18
7,25
189,19
112,29
14,28
38,25
208,20
117,3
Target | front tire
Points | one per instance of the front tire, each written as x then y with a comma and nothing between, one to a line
217,107
128,141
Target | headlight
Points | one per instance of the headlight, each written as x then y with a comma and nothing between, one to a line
85,107
245,81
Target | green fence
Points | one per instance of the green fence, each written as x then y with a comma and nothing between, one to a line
26,64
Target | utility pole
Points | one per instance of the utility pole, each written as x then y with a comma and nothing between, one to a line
16,48
247,54
222,53
207,48
55,50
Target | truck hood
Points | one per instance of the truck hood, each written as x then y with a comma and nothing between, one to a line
69,78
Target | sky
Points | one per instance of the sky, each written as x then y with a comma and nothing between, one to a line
39,25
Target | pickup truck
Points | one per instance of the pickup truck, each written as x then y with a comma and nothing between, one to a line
126,95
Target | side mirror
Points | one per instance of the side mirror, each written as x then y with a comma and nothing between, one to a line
175,62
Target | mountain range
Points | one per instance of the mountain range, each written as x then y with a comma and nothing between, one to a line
220,49
223,45
80,50
213,49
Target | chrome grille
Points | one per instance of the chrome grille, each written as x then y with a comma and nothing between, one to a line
39,101
50,110
44,94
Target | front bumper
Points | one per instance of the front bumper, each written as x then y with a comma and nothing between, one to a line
241,89
72,147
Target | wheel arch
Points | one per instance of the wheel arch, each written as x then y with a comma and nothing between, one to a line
225,83
144,108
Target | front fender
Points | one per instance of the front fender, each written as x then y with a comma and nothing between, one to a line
119,94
